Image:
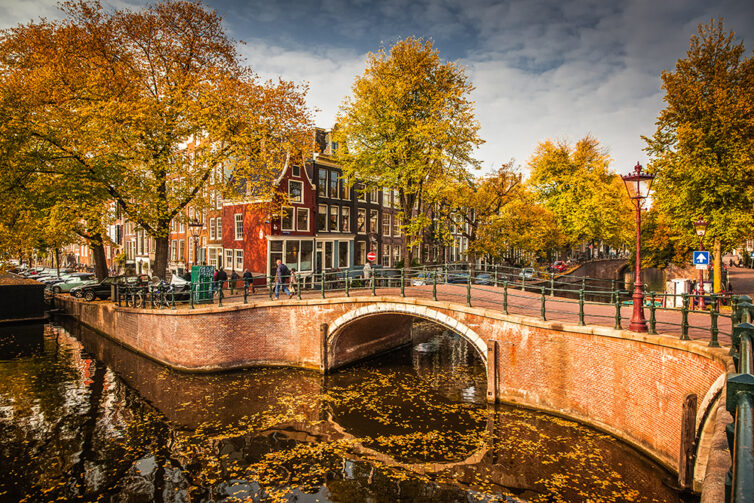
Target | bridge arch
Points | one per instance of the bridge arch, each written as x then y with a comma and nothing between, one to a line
340,324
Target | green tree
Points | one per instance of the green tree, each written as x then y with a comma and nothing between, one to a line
589,202
145,106
409,126
702,150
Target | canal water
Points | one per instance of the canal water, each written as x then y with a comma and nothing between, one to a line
83,419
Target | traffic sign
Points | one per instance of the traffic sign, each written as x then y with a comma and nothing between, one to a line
701,259
752,255
371,256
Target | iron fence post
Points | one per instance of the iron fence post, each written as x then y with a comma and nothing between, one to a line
685,317
505,296
322,284
581,308
523,279
552,284
713,330
583,282
373,282
468,290
612,291
542,307
191,295
220,295
245,293
172,300
652,318
348,293
617,314
117,294
150,293
403,282
495,267
434,286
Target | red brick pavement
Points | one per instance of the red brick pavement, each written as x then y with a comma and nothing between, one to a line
529,304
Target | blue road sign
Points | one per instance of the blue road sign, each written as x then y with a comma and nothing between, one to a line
701,258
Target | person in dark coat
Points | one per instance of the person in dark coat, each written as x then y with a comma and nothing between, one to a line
220,278
248,280
282,273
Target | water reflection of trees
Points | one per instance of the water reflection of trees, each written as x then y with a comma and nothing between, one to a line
132,430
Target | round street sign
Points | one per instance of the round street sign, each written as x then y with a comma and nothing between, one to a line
371,256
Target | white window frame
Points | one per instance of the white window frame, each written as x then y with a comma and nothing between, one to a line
212,229
293,215
308,219
228,258
238,263
219,228
301,191
238,219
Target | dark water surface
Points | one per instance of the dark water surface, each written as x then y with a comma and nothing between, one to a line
81,418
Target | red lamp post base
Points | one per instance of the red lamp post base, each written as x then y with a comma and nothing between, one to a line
638,323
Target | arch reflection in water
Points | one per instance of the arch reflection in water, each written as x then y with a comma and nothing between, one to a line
410,426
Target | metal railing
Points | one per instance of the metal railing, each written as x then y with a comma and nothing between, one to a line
544,296
740,402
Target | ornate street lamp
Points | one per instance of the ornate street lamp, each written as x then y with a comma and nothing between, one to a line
638,185
701,229
195,226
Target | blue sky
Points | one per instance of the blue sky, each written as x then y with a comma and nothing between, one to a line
543,69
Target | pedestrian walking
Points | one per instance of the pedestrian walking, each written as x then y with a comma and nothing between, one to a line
293,285
248,280
234,277
282,274
368,274
220,277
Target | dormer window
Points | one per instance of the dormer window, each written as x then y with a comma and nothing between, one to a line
296,171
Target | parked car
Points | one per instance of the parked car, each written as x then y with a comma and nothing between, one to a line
102,290
483,279
526,273
75,280
559,266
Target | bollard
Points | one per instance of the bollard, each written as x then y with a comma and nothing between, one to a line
685,317
505,296
713,330
581,308
468,290
542,307
652,318
617,314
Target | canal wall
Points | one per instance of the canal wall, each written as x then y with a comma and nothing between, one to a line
630,385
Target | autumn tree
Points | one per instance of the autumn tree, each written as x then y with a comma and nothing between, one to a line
144,105
473,202
589,202
703,149
409,126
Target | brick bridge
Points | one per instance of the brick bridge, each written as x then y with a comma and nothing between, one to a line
631,385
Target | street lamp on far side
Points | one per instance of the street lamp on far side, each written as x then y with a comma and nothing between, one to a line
638,184
701,229
195,227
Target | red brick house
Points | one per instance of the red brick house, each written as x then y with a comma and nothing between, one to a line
257,232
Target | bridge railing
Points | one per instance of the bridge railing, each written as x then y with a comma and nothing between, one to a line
688,316
740,403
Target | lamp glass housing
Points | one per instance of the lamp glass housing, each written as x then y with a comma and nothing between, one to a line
638,184
701,227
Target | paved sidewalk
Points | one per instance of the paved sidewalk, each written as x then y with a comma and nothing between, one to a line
742,281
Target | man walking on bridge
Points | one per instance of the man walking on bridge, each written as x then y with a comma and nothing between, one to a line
282,273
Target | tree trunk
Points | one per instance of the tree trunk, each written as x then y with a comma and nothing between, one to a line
160,266
57,260
98,252
718,261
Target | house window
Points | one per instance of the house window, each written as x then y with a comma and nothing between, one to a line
213,257
211,229
302,219
287,219
373,195
296,171
322,217
333,225
396,226
238,217
181,250
373,216
219,226
396,255
386,224
361,221
361,193
295,191
239,261
342,253
386,255
306,256
345,219
361,253
333,184
322,183
387,197
174,250
219,201
228,259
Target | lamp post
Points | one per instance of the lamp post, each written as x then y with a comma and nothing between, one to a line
638,184
195,226
701,229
